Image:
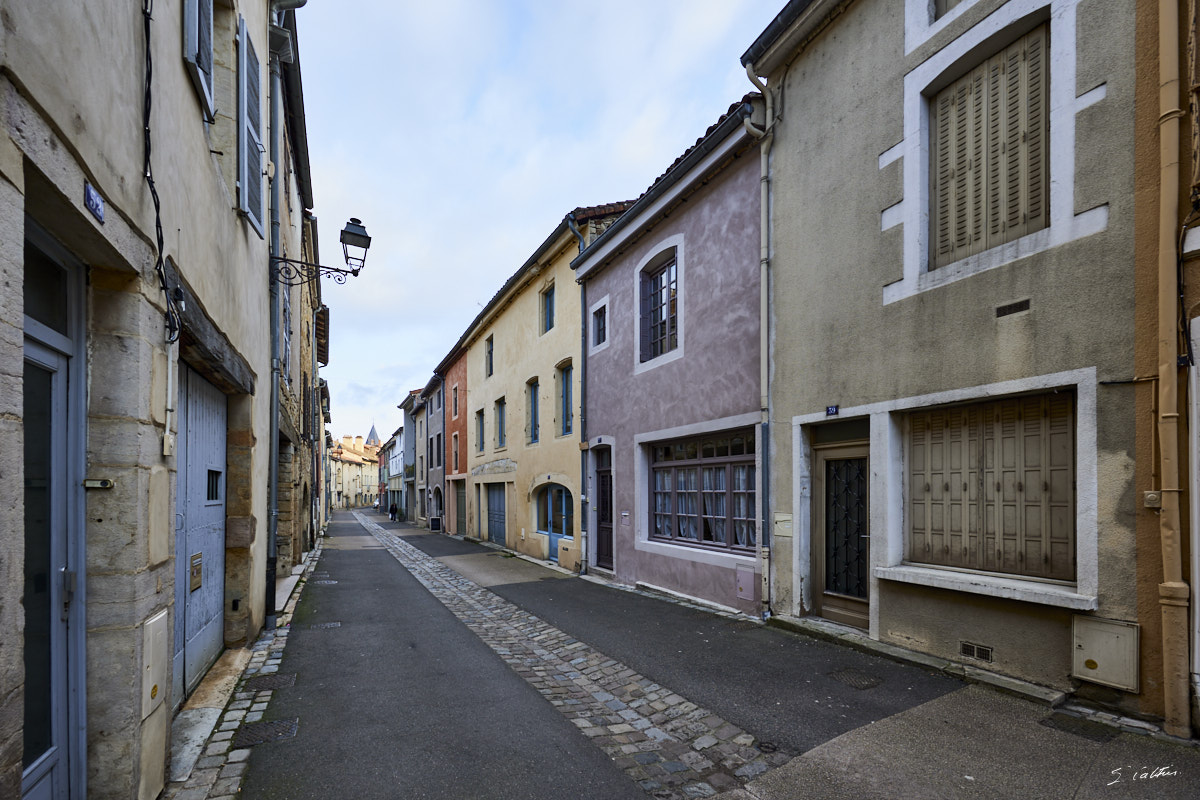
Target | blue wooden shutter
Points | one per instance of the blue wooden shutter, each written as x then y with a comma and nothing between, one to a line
250,149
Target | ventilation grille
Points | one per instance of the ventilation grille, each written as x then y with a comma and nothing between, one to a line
1012,308
976,651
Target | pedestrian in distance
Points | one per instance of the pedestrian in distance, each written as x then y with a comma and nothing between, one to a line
392,512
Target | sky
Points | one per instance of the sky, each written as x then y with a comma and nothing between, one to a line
462,131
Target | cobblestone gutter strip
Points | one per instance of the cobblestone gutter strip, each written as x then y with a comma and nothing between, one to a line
673,748
219,772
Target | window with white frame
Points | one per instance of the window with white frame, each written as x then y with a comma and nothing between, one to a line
658,295
702,491
454,396
479,431
454,453
989,152
599,326
992,486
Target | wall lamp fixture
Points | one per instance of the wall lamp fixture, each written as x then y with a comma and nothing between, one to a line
355,243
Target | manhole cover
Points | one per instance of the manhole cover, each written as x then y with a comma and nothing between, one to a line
325,583
262,732
1088,729
320,625
274,681
855,678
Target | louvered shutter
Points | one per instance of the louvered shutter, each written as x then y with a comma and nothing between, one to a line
990,152
250,149
198,50
992,486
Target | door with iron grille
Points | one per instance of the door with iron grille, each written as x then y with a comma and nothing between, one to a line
604,509
842,534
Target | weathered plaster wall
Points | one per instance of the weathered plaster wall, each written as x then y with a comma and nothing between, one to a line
717,377
835,341
457,423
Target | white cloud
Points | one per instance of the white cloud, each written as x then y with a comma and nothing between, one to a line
461,131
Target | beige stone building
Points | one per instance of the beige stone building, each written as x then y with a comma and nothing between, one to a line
959,354
355,473
523,401
134,368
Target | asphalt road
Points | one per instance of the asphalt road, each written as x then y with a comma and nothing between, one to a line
402,701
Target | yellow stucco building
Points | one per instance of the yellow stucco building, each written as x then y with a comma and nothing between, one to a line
524,425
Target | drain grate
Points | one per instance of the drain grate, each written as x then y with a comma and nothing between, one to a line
320,625
274,681
263,732
1086,728
856,678
325,583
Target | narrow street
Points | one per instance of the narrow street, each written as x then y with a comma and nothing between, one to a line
425,666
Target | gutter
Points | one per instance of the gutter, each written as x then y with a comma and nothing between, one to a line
1173,592
583,439
696,155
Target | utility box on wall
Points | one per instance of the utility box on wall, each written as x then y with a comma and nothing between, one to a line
1105,651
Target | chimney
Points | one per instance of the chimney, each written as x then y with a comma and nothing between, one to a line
358,443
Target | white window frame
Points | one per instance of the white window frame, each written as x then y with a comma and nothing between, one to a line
641,493
913,211
193,57
887,492
599,304
671,242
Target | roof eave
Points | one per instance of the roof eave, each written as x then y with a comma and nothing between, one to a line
790,28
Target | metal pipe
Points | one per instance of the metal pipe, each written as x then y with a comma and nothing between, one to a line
1173,592
273,441
584,494
765,136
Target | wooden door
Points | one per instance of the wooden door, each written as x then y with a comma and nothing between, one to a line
842,534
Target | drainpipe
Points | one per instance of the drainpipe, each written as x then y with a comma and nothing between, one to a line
584,493
1173,592
765,137
273,440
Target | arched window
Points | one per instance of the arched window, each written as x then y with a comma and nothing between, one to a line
555,515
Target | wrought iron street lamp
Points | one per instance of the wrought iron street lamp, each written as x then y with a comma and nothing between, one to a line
355,243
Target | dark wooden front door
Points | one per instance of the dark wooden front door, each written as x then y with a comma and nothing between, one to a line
604,512
842,534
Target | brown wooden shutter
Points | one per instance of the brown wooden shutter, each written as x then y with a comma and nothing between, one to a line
992,486
990,152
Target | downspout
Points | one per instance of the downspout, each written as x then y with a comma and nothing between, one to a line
1173,592
584,493
765,137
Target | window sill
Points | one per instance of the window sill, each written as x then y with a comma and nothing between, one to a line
991,585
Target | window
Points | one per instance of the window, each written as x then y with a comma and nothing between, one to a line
992,486
286,332
555,512
989,147
532,403
438,449
479,430
566,411
702,491
250,147
438,400
659,323
454,395
454,453
600,326
548,309
489,357
500,408
214,486
198,50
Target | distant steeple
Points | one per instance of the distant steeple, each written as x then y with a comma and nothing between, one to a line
373,437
